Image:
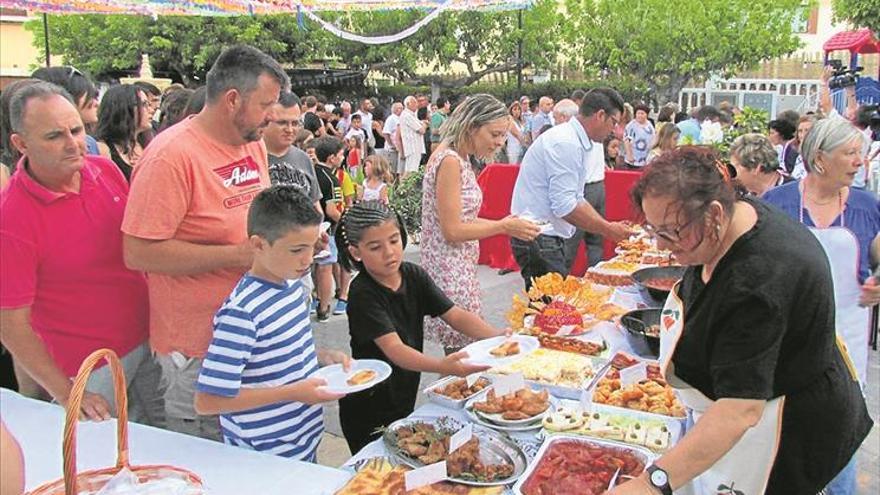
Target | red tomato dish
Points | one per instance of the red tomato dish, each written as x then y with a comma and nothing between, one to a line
571,467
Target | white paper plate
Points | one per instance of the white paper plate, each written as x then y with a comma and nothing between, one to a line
336,378
478,352
499,420
476,418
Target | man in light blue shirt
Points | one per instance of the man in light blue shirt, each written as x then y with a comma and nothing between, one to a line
550,186
691,130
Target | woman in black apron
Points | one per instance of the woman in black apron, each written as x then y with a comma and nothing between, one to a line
747,341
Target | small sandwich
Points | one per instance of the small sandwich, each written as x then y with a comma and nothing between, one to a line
563,419
657,438
508,348
361,377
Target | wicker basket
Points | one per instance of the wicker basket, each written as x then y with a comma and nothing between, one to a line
74,483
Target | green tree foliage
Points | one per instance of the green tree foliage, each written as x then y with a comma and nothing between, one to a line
862,13
186,46
478,42
482,42
665,43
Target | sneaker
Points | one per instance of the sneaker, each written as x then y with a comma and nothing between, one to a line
341,304
323,315
314,308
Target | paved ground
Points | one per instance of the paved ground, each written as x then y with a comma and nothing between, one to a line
497,292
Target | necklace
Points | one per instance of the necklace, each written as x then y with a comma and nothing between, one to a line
823,203
804,196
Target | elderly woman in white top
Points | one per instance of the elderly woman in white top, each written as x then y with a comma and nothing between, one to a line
412,131
846,220
451,200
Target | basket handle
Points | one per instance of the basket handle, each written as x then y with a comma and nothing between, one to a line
73,408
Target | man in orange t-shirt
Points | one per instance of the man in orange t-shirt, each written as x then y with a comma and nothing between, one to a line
186,219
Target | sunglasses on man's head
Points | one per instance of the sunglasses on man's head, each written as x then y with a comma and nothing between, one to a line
73,71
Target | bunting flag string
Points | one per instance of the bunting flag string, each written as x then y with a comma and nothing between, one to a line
379,40
249,7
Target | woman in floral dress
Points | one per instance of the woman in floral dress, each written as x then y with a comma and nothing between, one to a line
450,203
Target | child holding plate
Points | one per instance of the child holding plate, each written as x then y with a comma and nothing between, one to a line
388,302
257,373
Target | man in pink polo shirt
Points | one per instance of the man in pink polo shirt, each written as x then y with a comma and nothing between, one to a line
64,289
186,220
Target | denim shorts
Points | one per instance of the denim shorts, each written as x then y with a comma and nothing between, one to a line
334,254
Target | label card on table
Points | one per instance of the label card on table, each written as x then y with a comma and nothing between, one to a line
508,384
472,379
586,401
423,476
633,375
461,437
565,330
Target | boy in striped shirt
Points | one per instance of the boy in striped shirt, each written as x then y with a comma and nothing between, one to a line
256,372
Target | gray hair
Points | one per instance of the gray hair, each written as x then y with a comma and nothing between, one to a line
755,150
408,99
37,90
239,67
827,135
566,107
475,112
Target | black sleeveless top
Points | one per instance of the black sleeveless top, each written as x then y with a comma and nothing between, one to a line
119,161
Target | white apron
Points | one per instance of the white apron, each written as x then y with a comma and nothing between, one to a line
746,467
851,321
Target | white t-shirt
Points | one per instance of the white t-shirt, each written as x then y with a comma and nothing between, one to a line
595,163
389,129
861,178
367,125
359,133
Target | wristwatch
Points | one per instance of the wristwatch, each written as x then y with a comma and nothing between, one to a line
659,479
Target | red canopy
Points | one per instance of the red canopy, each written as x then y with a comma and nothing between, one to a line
861,41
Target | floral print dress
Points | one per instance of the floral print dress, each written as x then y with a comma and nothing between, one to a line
452,266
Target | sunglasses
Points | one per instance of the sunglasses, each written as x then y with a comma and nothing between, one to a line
73,71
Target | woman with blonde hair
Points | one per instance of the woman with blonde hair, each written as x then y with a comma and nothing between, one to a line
450,202
667,140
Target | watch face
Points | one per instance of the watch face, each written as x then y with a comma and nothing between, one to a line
658,478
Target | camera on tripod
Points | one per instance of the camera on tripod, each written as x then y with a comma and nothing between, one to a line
843,77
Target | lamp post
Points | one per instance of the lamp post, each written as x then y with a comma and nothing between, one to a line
46,38
519,64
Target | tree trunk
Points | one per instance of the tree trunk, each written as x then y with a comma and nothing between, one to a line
670,91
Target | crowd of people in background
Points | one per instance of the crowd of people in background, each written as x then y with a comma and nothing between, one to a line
133,219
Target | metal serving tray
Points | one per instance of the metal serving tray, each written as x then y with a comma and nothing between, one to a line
632,412
432,394
674,425
495,447
643,454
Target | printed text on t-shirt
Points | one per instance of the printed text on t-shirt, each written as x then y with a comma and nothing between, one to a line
240,173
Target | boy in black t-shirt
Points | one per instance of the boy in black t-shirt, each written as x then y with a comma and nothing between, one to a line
388,301
329,152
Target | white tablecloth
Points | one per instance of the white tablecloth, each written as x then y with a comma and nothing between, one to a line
38,427
610,332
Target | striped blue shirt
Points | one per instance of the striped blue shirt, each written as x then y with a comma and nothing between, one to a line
263,338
